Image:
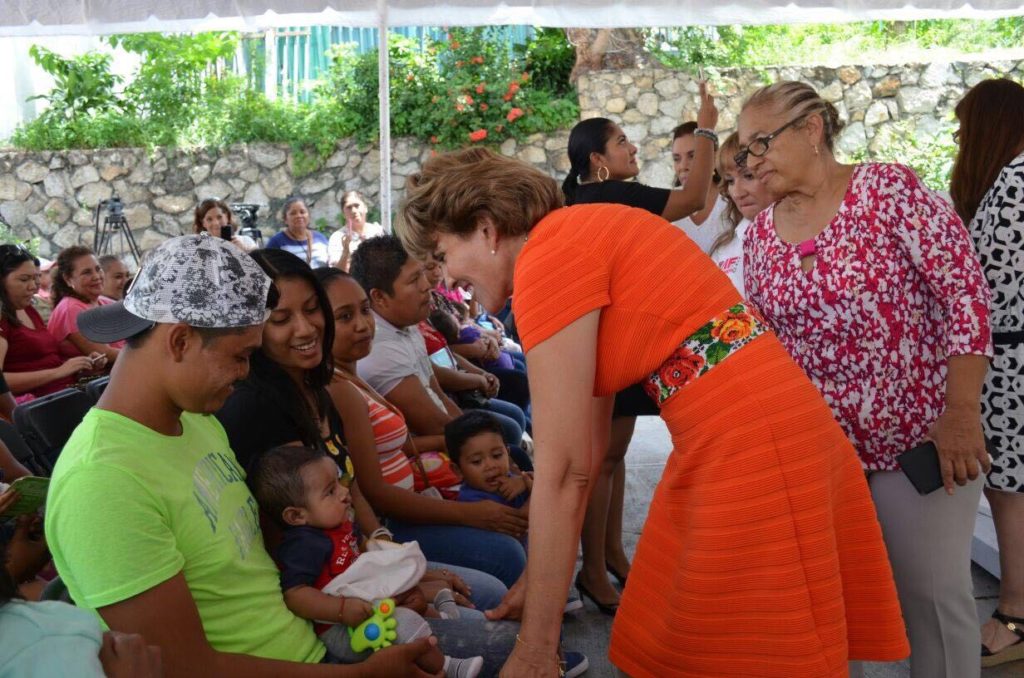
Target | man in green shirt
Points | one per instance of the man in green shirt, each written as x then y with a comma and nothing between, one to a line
149,519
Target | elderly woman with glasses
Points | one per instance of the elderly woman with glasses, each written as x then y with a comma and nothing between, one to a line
872,284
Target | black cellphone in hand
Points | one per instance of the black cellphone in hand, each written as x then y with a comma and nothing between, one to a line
225,232
921,466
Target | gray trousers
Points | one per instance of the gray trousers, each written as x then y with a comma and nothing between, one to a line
929,544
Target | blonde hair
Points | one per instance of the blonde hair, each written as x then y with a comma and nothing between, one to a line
726,163
800,100
453,191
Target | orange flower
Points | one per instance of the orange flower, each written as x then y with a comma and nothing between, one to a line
508,96
484,107
433,139
514,114
408,77
513,87
477,60
680,368
455,44
478,135
469,100
525,76
480,88
733,327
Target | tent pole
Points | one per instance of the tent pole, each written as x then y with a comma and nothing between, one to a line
384,94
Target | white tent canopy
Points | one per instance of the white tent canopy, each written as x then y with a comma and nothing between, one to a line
85,17
51,17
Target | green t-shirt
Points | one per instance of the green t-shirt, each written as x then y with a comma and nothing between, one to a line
129,508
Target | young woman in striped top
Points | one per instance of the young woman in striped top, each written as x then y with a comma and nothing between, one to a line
483,535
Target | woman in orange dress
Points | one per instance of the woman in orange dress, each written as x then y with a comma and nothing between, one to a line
761,555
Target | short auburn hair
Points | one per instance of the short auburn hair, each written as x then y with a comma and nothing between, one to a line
454,190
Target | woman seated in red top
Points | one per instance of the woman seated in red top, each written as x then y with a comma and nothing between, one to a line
78,286
31,359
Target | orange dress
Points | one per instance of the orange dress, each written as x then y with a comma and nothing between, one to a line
761,555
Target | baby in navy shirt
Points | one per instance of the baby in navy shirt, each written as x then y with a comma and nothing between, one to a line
477,449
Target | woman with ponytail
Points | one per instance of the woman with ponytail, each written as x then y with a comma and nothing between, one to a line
872,284
602,166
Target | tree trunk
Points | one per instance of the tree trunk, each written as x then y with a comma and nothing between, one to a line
605,48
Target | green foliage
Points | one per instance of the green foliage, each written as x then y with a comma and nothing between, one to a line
9,237
828,43
461,90
84,84
180,95
930,155
549,58
177,78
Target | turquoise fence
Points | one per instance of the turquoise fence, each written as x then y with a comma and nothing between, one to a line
301,52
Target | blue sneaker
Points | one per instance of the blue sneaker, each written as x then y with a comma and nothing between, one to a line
574,664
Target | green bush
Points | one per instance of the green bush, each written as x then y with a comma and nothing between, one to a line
461,90
774,45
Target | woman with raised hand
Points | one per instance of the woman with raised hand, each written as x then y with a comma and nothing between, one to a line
872,284
988,194
761,555
347,239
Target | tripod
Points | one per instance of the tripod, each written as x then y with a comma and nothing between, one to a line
114,225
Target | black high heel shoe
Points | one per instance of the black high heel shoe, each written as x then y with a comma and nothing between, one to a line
613,572
605,608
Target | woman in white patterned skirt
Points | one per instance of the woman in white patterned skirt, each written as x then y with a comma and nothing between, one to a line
988,192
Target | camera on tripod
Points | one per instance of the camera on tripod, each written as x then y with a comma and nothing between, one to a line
247,213
114,225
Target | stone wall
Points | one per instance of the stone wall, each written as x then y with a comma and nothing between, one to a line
52,196
876,102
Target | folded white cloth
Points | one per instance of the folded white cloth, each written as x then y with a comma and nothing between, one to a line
385,571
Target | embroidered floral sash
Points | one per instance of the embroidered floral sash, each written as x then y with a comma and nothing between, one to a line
725,334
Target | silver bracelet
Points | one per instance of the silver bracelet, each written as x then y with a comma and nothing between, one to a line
707,134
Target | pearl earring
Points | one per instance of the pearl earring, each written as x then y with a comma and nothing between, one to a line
494,252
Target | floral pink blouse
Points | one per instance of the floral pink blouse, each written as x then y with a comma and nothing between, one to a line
895,289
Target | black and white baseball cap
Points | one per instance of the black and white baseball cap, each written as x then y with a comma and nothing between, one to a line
198,280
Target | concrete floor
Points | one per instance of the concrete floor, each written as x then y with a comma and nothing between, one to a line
587,631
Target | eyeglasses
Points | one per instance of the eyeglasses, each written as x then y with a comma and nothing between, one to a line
759,146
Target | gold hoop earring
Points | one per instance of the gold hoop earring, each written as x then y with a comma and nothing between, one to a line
607,174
